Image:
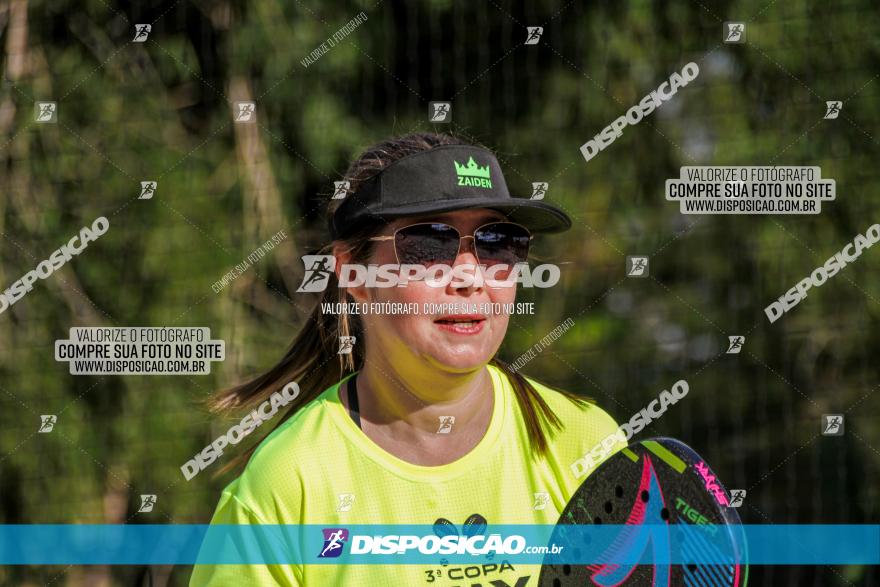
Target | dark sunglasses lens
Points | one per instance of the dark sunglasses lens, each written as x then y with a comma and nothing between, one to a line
502,243
427,244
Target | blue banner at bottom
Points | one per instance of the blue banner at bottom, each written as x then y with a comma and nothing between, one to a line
660,544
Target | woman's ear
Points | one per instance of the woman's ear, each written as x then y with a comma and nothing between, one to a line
342,253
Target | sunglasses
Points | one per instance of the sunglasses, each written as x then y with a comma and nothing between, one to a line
429,243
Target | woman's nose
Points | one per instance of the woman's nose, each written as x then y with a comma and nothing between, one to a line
467,252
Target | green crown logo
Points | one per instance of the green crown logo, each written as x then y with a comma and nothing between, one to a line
471,169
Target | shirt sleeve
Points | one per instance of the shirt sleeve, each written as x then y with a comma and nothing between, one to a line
230,510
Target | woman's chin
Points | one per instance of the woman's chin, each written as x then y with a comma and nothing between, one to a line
459,361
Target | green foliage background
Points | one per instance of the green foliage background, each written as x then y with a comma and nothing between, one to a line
161,110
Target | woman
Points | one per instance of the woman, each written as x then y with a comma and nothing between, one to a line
421,423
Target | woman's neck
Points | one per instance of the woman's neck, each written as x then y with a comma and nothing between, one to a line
428,417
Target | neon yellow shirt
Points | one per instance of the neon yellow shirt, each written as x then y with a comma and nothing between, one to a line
320,468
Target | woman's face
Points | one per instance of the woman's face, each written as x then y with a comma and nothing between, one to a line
457,340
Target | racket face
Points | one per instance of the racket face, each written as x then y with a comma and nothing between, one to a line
655,481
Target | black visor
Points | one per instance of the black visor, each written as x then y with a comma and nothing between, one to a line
442,179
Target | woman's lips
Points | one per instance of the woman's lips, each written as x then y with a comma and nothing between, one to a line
461,323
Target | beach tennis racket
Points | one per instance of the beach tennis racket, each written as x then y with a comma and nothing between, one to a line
657,481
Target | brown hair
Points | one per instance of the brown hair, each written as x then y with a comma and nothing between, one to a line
312,360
